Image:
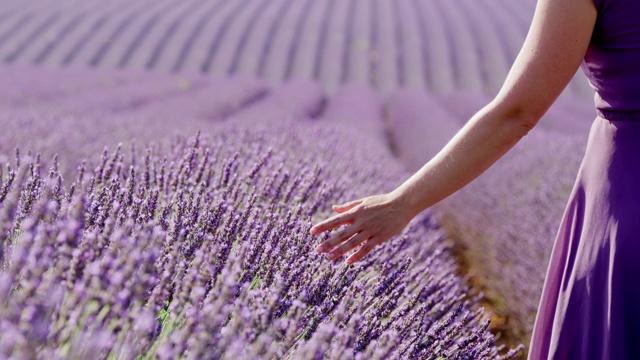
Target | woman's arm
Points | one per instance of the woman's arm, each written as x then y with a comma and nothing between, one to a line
552,52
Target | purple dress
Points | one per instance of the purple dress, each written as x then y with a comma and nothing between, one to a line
590,304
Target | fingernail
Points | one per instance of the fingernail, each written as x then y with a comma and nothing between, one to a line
331,256
319,249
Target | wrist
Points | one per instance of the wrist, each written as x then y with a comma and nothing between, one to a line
406,202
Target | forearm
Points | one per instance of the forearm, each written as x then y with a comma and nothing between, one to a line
485,138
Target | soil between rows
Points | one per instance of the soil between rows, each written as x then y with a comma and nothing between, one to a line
507,329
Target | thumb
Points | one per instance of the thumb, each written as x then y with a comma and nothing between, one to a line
346,206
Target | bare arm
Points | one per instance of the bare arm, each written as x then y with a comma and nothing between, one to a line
551,54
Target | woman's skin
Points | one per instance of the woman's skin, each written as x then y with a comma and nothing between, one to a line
552,52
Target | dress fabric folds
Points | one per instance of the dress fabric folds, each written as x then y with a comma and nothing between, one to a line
590,303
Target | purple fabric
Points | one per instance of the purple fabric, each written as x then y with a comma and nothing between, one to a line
612,61
590,304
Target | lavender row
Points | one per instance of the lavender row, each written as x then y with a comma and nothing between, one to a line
200,247
358,107
143,36
129,96
294,100
28,85
440,45
251,50
234,38
148,107
313,35
216,100
419,126
281,49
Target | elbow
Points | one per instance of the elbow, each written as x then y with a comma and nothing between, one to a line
518,117
525,125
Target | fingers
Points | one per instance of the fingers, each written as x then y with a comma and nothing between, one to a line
363,251
331,223
336,239
347,206
342,219
349,245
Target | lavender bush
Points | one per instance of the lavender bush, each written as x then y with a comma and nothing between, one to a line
295,100
358,107
27,85
419,126
199,248
463,104
216,100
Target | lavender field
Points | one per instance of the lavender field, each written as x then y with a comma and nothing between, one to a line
161,164
435,44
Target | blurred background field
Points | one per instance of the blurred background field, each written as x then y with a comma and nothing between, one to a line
400,77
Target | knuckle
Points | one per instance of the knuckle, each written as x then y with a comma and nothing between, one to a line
347,232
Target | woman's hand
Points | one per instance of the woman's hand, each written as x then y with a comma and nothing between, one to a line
370,221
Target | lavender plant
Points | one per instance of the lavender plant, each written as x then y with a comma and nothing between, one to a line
199,248
358,107
28,85
419,126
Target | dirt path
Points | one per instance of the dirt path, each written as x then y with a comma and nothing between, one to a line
506,328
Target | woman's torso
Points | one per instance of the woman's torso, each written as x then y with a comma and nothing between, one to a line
612,61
